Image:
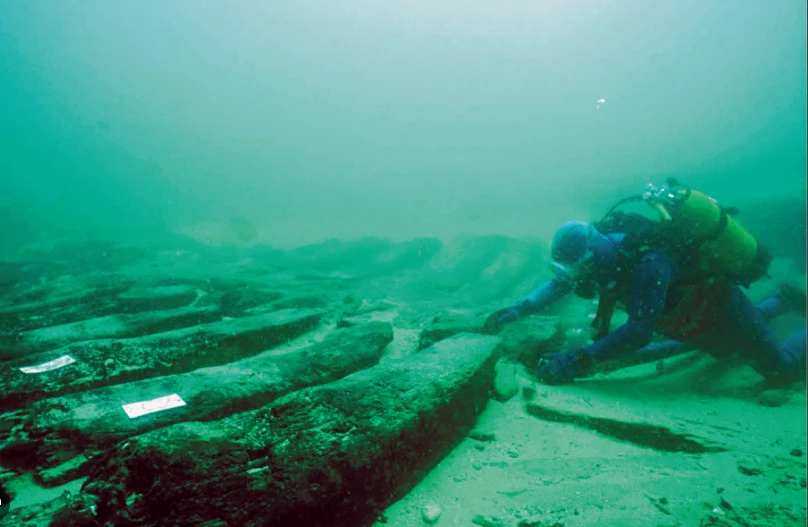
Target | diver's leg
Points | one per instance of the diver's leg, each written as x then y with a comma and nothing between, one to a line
785,298
770,308
749,334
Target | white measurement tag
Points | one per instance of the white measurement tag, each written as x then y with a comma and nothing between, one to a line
55,364
154,405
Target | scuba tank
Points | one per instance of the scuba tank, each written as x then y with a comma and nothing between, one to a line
723,248
694,227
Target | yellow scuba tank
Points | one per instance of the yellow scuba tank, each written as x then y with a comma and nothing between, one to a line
724,248
727,248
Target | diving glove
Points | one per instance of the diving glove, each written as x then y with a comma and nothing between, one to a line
561,368
499,318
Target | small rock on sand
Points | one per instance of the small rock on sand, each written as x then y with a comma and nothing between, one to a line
506,384
431,513
481,435
490,521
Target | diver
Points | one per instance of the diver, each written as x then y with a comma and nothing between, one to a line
680,276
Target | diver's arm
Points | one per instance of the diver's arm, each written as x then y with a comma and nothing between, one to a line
649,285
543,296
539,299
663,350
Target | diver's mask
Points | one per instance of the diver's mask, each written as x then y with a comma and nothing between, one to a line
579,262
578,275
566,273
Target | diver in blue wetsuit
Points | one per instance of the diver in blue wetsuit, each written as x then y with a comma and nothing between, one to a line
663,290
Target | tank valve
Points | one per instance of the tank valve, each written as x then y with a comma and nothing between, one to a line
657,198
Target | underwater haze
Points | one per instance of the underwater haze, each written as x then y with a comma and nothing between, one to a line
296,122
298,263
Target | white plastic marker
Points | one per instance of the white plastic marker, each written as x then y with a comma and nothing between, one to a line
154,405
50,365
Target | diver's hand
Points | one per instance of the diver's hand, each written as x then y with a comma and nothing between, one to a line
561,368
499,318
